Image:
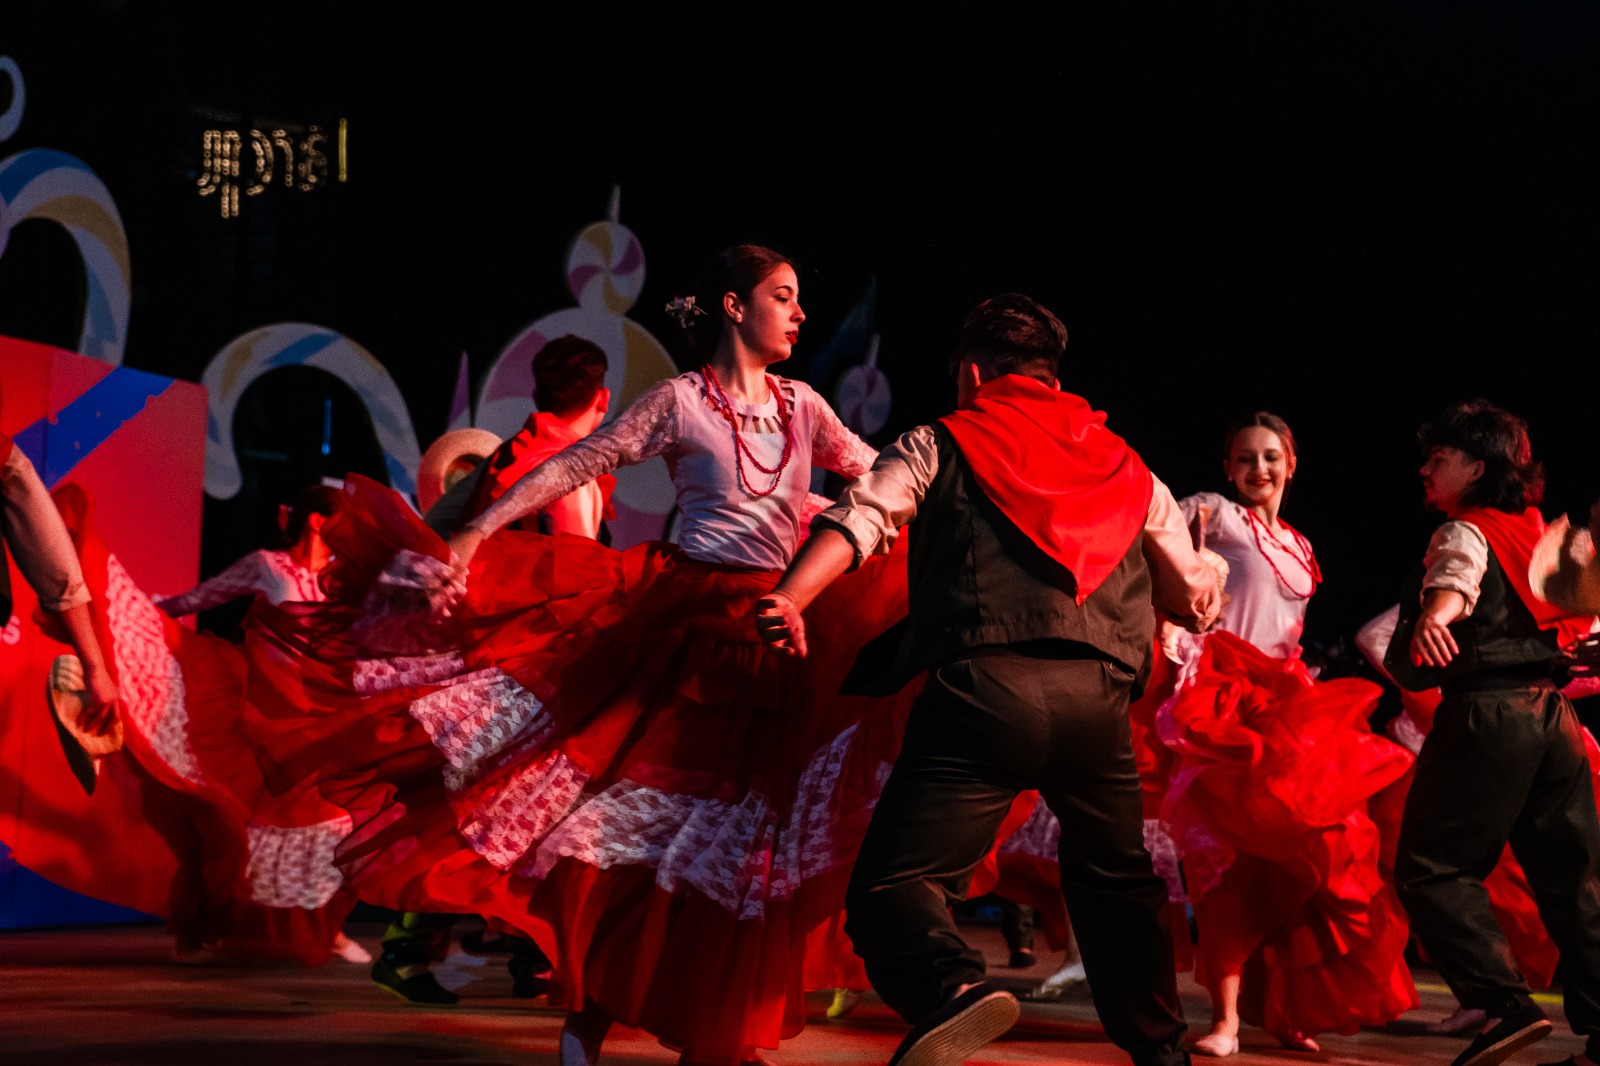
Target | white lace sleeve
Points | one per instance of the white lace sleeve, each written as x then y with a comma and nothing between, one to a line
643,431
243,578
833,445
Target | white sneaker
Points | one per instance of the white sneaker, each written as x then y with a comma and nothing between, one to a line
1055,986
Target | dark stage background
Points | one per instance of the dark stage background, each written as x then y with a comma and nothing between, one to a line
1347,213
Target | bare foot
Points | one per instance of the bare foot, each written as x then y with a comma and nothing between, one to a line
348,950
1219,1044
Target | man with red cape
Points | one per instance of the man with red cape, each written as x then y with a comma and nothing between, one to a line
1039,541
1505,759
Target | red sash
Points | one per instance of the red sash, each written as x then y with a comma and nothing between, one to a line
539,439
1047,460
6,444
1512,538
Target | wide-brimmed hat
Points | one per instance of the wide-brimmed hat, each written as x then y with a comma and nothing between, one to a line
84,750
455,452
1564,570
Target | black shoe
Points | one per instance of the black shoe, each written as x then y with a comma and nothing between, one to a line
1525,1025
525,983
948,1035
482,942
421,988
1022,959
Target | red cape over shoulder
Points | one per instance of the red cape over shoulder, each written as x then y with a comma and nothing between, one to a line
1047,460
540,437
1512,538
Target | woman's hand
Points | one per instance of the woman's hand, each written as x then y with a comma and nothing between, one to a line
463,546
780,624
102,703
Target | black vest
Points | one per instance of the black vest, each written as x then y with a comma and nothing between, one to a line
1500,637
977,581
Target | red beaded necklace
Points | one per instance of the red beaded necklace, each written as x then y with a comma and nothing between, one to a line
1299,551
741,451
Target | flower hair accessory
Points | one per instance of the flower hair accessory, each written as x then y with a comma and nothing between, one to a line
684,308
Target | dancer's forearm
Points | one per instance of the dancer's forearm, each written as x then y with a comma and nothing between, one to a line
778,618
823,558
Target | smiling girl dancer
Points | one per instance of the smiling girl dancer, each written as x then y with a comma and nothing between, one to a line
1268,797
594,748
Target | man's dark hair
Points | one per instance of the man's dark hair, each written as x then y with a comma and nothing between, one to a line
567,373
1012,334
1511,480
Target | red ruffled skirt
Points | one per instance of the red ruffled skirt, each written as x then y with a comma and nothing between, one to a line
594,749
1268,808
248,873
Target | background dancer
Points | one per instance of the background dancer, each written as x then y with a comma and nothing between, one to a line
1267,801
34,535
570,401
251,875
290,575
1505,759
1033,654
670,831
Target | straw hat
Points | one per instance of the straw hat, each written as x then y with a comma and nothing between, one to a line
1564,570
83,749
448,459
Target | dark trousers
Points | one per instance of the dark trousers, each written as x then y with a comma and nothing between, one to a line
983,730
1504,765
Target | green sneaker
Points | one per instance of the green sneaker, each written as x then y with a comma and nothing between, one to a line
420,988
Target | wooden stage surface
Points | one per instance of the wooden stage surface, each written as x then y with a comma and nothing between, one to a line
108,996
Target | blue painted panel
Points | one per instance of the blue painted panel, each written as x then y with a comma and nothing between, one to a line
28,901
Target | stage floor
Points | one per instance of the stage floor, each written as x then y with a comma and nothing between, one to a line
108,996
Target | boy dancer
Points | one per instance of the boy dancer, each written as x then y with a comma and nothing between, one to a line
1040,540
1505,760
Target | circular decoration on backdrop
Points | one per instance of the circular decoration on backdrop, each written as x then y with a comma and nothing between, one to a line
863,397
605,271
44,183
605,268
247,357
11,117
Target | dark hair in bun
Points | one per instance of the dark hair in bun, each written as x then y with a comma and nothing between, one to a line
738,270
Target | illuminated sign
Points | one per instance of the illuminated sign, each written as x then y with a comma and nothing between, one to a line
275,158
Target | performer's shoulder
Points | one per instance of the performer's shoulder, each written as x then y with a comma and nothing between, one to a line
687,383
1214,502
1453,531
